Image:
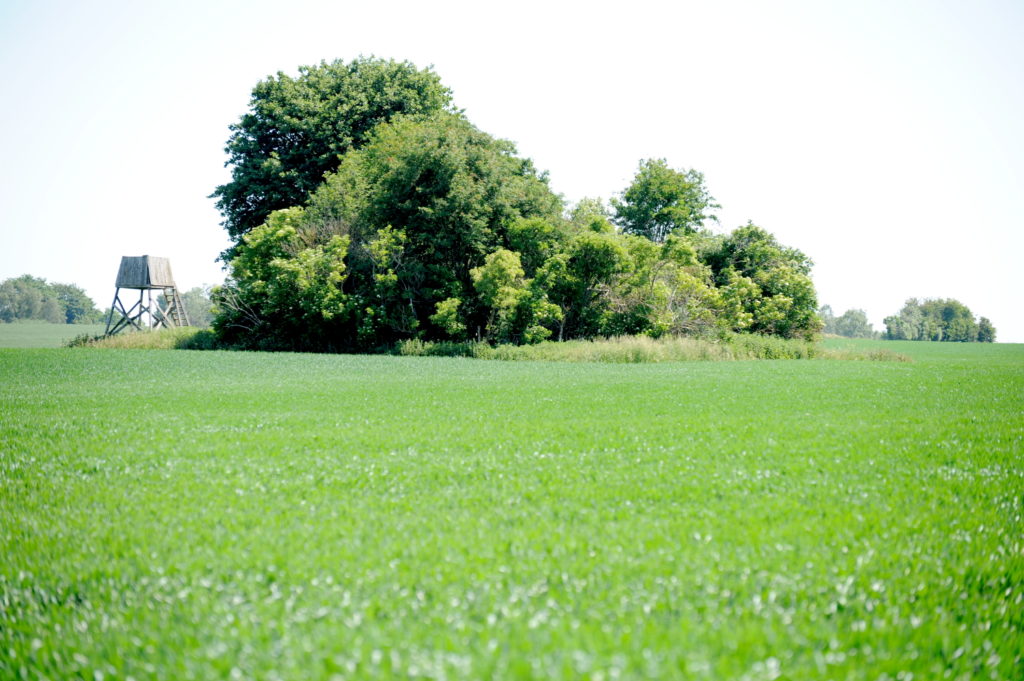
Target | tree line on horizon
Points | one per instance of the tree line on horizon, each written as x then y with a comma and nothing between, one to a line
365,209
938,319
934,319
28,298
851,324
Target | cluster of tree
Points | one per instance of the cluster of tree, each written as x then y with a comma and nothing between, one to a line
851,324
938,320
424,226
28,297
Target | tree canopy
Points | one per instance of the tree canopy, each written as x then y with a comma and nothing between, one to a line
850,324
662,200
938,319
28,297
297,128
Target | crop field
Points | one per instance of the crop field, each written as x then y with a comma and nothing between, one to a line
213,515
36,334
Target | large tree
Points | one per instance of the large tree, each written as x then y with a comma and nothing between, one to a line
662,200
297,129
419,206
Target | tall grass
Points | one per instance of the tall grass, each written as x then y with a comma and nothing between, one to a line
181,338
616,350
642,349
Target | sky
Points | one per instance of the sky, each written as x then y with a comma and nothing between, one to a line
885,139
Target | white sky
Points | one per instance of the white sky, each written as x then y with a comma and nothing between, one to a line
883,138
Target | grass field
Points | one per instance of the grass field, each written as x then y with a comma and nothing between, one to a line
205,515
34,334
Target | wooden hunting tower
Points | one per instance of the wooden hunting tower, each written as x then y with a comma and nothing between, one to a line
146,274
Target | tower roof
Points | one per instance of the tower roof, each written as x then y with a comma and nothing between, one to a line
144,272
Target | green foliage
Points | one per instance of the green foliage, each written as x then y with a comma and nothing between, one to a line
28,297
662,200
455,193
986,332
502,289
591,214
574,280
740,296
447,317
434,230
665,290
766,287
851,324
536,240
298,127
281,294
198,305
937,320
303,517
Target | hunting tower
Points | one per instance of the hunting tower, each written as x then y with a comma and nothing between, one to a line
146,274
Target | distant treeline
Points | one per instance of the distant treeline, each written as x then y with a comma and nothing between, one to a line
851,324
28,297
938,319
197,304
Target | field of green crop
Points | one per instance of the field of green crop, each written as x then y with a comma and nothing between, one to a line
36,334
208,515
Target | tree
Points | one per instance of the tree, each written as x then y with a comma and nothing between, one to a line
937,319
662,200
501,285
767,286
198,305
78,307
28,297
297,129
852,324
454,192
419,206
574,280
665,290
828,319
281,294
986,332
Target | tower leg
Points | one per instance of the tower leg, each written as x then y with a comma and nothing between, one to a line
127,317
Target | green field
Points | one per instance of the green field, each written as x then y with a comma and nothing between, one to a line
206,515
36,334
